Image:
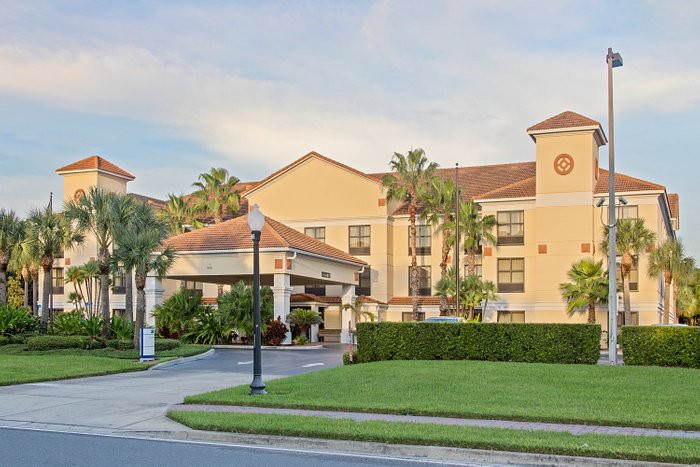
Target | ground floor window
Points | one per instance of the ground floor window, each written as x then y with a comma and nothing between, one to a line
507,316
408,316
621,319
364,286
192,285
511,275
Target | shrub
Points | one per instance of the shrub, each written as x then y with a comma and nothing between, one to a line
276,332
530,342
67,323
236,307
176,315
16,320
303,319
213,327
122,329
22,337
41,343
661,345
301,340
120,344
355,358
4,340
166,344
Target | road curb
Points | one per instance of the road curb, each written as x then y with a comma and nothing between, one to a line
427,453
180,360
272,347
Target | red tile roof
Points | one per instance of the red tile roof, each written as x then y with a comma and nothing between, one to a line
235,235
564,120
423,300
625,183
673,204
96,163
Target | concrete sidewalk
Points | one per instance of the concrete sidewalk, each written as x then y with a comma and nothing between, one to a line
534,426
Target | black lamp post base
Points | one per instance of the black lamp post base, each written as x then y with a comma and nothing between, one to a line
257,387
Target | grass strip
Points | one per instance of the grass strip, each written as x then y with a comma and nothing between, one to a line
650,397
642,448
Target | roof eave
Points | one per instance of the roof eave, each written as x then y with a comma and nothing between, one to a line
601,139
130,178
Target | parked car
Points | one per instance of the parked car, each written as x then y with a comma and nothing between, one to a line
442,319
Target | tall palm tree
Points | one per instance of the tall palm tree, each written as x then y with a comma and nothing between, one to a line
24,261
410,182
632,239
216,195
668,260
177,214
588,287
683,277
475,230
488,290
76,276
140,249
101,212
438,211
11,234
50,234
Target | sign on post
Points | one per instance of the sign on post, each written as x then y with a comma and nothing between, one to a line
148,344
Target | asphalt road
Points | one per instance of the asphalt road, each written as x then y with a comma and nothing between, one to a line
28,448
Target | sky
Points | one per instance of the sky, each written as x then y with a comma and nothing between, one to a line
168,89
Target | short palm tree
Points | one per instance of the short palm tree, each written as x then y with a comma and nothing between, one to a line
438,211
632,239
101,212
25,261
488,292
410,181
668,260
475,230
140,249
588,287
303,319
216,194
178,215
50,234
11,234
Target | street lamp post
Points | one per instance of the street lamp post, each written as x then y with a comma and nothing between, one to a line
457,236
614,60
256,222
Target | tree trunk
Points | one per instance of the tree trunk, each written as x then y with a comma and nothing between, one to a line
667,296
3,277
471,312
471,262
45,298
591,313
140,308
626,267
129,294
35,292
25,279
677,314
103,260
443,271
414,283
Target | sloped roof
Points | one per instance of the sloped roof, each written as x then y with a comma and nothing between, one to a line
625,183
563,120
423,300
159,203
235,235
673,204
95,163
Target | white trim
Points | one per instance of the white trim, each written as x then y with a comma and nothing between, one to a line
269,250
496,200
598,129
106,172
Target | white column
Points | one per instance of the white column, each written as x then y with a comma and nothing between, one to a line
282,292
314,328
347,316
154,296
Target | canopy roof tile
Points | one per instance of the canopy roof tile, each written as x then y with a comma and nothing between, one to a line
95,163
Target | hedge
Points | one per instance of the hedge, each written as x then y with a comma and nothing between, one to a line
661,345
120,344
62,342
510,342
167,344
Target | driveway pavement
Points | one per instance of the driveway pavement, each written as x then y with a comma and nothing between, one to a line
131,402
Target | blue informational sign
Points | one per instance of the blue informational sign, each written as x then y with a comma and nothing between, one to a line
148,344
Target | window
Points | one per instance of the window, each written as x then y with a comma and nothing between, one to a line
319,233
192,285
511,316
57,281
119,283
359,239
634,273
627,212
319,290
511,275
511,227
621,319
424,280
408,316
478,266
364,286
423,240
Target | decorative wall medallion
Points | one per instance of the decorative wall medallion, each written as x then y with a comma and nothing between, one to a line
78,195
563,164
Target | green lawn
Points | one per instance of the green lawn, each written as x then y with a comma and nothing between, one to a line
623,396
614,447
19,366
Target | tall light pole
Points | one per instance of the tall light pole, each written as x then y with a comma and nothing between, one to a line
457,236
256,222
614,60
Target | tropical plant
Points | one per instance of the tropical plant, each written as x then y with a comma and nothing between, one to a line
140,248
11,234
92,326
410,181
49,235
475,231
237,305
664,260
75,275
178,215
588,287
176,315
212,327
303,319
276,331
15,296
488,291
471,293
438,211
632,238
16,321
69,323
358,312
122,329
101,213
216,195
25,262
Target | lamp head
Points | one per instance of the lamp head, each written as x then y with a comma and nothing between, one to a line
623,201
256,219
600,202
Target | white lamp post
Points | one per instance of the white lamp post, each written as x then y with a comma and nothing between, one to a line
256,222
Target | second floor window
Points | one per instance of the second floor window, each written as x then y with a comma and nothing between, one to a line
319,233
478,266
511,275
424,281
423,240
364,287
57,281
627,212
511,227
318,290
359,239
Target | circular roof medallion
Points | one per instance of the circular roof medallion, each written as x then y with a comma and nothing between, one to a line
563,164
78,195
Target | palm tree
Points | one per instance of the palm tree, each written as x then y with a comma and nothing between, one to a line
471,293
24,262
488,291
438,211
668,259
475,229
49,235
216,195
101,212
683,277
588,287
178,215
445,288
76,276
410,181
303,319
632,239
11,234
138,249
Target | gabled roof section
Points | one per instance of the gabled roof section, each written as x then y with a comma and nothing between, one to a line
625,183
673,204
300,161
235,235
568,121
97,163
